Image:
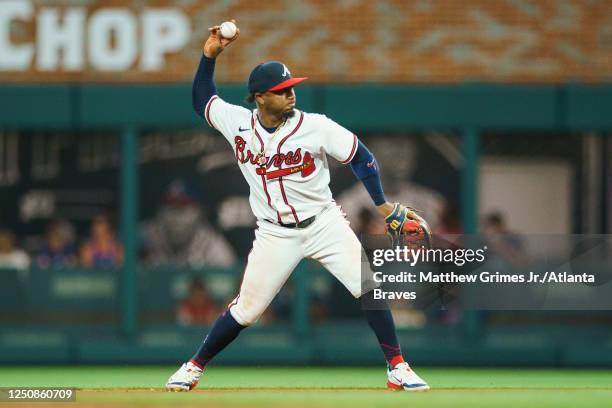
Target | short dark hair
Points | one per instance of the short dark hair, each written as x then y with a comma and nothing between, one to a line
250,98
495,218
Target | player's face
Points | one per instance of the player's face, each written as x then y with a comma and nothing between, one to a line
280,102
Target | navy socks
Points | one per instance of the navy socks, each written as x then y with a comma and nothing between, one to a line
223,332
381,322
226,329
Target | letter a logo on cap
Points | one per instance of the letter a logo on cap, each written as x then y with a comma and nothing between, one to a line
285,71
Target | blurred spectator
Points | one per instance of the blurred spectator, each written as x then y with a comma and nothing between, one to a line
179,233
407,316
398,156
282,307
198,308
501,241
10,256
368,223
450,223
445,296
58,250
102,250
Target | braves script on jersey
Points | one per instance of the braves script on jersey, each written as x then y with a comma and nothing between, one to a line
292,184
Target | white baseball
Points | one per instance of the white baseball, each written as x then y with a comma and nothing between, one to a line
228,29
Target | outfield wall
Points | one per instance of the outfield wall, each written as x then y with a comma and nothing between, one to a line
75,317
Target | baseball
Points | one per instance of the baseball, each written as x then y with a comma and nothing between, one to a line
228,29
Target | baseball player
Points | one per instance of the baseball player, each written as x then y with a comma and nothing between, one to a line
282,153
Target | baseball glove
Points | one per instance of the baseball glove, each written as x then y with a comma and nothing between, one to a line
406,228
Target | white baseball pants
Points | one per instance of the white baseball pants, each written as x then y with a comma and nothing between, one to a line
277,251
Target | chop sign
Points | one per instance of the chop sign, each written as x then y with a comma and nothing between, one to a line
106,39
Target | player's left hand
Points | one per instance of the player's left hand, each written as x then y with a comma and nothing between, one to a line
405,226
216,42
397,217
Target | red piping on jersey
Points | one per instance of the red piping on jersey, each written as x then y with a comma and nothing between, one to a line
263,181
263,177
256,133
280,179
290,134
207,111
353,150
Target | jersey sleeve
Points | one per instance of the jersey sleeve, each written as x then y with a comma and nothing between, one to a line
225,117
338,142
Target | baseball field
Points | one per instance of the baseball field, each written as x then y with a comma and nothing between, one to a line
127,386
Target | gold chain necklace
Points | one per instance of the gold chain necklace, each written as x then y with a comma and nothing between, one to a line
261,156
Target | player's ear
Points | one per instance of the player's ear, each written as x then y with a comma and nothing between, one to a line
259,98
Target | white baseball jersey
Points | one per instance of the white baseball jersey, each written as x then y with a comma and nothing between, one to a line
294,183
289,186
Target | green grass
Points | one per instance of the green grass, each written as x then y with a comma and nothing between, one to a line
301,387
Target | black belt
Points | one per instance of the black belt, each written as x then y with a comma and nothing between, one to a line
298,225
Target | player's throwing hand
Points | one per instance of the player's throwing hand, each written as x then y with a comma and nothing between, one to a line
216,42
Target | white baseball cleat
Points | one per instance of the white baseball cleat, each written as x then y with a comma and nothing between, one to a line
185,379
402,377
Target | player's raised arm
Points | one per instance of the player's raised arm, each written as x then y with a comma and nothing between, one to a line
203,84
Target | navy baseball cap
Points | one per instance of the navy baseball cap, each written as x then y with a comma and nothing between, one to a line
271,76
